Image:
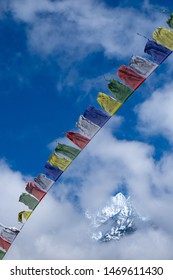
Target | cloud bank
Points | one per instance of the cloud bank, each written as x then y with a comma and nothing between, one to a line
156,114
76,29
58,228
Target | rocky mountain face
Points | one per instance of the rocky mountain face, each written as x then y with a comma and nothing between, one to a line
118,218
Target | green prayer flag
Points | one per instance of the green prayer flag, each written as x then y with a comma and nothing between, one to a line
170,21
120,91
2,254
28,200
67,151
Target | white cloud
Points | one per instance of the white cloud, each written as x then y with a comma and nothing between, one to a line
59,230
156,114
12,184
79,28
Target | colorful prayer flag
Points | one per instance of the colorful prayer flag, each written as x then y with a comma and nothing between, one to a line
25,215
67,151
53,172
120,91
78,139
96,116
131,78
61,163
2,254
142,65
170,21
88,128
158,52
28,200
35,191
8,233
164,37
4,244
109,104
44,182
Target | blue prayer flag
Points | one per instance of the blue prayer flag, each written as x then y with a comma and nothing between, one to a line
158,52
96,116
53,172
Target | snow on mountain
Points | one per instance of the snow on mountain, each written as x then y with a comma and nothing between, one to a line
118,218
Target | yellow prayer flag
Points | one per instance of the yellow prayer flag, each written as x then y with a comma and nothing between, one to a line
108,103
164,37
61,163
25,215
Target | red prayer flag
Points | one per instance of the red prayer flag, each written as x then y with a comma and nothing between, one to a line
78,139
4,244
34,190
130,77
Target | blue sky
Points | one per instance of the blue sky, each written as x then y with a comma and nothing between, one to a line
54,57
